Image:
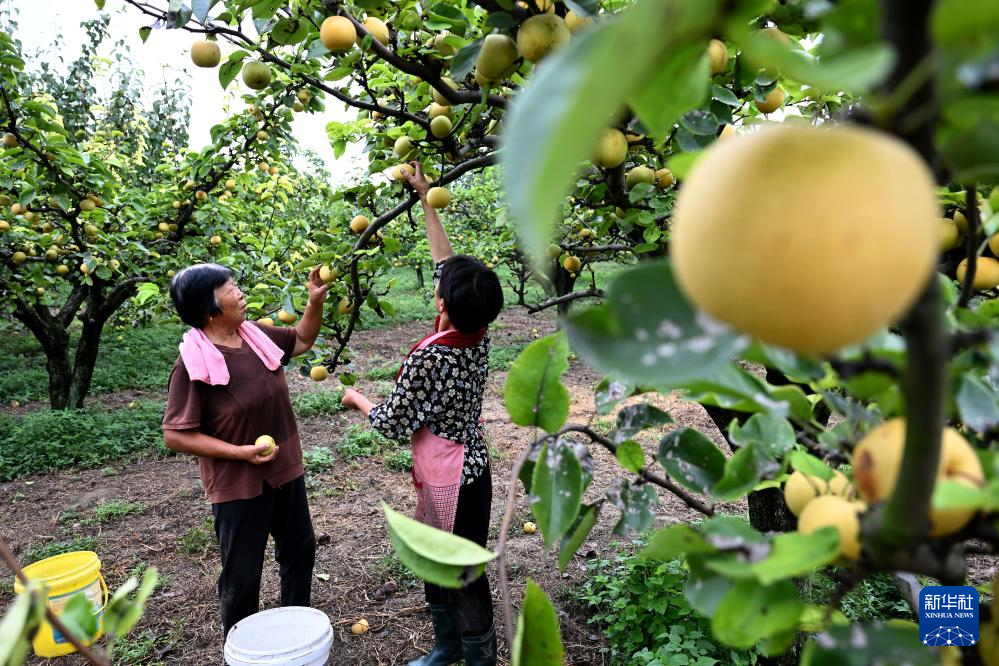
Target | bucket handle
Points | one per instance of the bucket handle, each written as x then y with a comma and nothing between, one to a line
104,586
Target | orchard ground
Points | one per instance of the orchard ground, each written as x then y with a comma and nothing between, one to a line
155,515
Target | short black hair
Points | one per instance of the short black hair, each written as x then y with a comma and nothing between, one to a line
192,291
471,292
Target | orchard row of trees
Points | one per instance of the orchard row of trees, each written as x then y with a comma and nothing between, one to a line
600,115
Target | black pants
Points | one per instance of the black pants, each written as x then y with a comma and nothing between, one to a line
242,527
471,607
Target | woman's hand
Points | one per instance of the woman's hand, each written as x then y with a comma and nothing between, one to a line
417,181
254,454
317,288
355,400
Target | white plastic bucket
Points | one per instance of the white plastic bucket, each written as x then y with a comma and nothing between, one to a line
288,636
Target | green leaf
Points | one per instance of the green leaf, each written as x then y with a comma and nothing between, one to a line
977,403
144,33
556,489
15,628
691,459
637,504
534,393
750,612
634,418
948,494
739,478
808,464
796,554
678,85
290,31
577,534
648,333
78,616
445,575
774,436
432,543
629,453
556,121
610,392
956,24
230,68
538,641
464,60
201,9
674,541
883,644
857,70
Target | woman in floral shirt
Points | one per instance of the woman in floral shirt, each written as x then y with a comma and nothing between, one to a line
437,402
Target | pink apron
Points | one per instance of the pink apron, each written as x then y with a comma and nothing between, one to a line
437,464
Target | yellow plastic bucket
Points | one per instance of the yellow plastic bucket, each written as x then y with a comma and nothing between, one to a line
63,576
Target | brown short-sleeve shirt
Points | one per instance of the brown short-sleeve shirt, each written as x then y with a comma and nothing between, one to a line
255,402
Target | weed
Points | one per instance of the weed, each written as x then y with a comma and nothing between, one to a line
162,579
645,617
390,567
116,509
400,460
318,403
42,551
48,440
317,460
874,599
360,441
136,648
199,539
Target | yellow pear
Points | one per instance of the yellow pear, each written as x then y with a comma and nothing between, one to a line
772,102
439,110
378,30
611,149
986,273
337,34
205,53
256,75
574,22
572,264
833,511
801,488
806,283
438,197
717,56
440,126
664,178
640,174
439,98
319,373
949,234
878,457
286,317
496,57
538,35
359,224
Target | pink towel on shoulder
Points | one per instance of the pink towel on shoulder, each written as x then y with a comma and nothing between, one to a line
205,363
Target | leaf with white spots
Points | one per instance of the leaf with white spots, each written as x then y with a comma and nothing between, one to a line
556,489
691,459
648,333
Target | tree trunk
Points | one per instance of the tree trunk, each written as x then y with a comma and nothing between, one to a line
86,359
563,283
420,281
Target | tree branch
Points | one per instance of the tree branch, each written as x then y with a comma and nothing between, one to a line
566,298
970,247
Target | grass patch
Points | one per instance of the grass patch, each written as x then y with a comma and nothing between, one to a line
501,358
49,440
116,509
199,539
133,358
317,460
874,599
42,551
318,403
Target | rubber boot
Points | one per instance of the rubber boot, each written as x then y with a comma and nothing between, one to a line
480,650
447,643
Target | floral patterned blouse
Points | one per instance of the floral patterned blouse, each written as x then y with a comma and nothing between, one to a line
442,388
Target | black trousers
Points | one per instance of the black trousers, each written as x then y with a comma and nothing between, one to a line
471,607
242,527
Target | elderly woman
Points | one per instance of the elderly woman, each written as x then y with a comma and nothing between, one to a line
226,390
437,401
